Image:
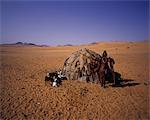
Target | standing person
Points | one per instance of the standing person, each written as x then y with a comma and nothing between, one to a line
104,54
103,69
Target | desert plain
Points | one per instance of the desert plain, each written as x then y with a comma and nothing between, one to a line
25,96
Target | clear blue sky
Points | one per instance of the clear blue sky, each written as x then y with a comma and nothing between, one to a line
75,22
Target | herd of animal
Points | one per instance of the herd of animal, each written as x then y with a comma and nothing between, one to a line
105,72
55,78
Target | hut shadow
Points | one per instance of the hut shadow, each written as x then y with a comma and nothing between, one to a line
121,82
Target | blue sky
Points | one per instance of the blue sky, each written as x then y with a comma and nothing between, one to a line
75,22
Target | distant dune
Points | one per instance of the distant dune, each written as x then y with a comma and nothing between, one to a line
24,94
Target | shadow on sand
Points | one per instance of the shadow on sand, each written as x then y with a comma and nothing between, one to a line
120,82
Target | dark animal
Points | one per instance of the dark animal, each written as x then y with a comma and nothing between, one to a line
57,81
49,76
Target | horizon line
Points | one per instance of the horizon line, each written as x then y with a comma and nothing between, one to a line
69,44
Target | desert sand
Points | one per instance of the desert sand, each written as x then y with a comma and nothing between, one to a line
24,94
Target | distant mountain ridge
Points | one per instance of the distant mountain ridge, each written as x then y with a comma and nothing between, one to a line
24,44
21,43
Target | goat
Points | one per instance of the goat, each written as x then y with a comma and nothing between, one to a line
55,78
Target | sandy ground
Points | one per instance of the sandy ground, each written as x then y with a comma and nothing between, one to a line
24,94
